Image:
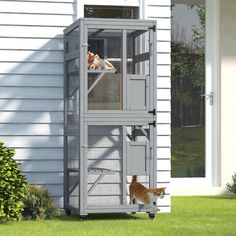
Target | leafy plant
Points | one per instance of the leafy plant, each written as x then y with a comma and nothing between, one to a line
12,186
232,187
38,204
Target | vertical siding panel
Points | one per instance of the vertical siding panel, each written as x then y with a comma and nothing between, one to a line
160,11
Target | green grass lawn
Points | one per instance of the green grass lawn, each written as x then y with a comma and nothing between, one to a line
190,216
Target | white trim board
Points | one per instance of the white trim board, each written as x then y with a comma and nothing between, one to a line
123,3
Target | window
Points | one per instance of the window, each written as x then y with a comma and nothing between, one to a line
93,11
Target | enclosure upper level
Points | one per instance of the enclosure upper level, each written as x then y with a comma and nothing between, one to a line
110,66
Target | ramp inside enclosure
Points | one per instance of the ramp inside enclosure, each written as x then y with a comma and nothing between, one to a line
110,113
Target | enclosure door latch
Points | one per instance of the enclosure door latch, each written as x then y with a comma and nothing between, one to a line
85,45
153,123
153,112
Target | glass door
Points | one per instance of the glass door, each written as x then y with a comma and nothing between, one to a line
191,104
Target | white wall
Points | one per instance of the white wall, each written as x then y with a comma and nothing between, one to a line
160,11
31,85
228,88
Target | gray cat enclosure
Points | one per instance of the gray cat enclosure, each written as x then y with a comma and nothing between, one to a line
110,113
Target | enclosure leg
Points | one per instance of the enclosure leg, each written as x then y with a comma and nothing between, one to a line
68,212
82,217
151,216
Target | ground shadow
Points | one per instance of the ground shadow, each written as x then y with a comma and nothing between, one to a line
114,216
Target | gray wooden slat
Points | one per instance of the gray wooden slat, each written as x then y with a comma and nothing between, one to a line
104,200
115,165
104,153
104,130
104,141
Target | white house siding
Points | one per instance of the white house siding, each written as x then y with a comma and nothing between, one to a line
159,10
31,86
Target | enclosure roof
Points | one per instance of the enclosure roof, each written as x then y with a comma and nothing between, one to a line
110,23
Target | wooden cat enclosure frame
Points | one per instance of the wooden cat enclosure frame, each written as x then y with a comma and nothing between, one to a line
110,114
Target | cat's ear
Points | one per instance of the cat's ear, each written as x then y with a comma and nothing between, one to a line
164,189
157,191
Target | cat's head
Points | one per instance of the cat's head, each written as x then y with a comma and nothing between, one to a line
90,57
160,192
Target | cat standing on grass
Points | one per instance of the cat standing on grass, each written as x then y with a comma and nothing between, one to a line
141,193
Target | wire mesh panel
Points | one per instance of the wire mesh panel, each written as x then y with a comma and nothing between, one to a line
104,69
105,154
71,119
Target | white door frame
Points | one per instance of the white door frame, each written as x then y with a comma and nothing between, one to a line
212,122
213,72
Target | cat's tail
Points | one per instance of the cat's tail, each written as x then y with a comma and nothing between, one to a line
134,178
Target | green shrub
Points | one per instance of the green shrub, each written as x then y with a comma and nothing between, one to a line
12,186
232,188
38,204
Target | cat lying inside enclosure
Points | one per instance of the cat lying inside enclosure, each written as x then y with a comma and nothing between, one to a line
141,193
95,62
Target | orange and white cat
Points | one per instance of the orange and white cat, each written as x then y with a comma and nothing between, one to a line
143,194
95,62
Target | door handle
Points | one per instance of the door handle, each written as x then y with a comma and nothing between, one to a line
208,96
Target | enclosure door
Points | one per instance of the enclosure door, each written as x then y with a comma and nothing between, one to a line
114,152
193,61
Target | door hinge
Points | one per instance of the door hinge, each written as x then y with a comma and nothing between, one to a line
153,123
153,28
153,112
